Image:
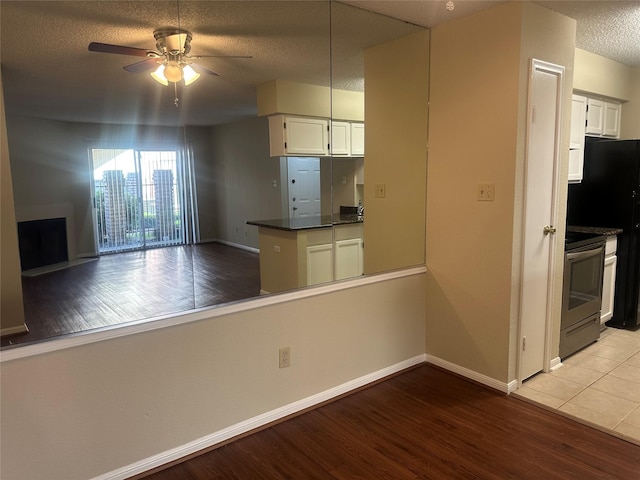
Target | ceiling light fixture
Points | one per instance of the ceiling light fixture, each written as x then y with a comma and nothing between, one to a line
172,45
189,75
158,75
174,71
450,5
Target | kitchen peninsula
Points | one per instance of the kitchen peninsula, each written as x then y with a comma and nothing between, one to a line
298,252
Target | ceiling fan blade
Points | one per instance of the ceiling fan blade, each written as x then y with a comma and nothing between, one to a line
142,67
118,49
200,69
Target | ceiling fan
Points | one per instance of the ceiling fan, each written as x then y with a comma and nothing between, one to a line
169,62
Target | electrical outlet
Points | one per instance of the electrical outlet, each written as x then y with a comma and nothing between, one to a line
486,192
284,357
381,190
276,248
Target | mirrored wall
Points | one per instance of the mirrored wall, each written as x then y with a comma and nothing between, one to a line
181,197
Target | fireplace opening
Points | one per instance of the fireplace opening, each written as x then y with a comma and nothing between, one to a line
42,242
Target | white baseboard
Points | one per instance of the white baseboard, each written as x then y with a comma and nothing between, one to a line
14,330
555,364
472,375
240,246
232,431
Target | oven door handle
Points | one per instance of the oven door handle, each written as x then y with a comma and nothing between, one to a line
591,252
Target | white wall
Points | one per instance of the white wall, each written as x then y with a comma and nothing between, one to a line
88,410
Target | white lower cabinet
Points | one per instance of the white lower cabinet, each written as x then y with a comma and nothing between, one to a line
609,280
319,264
338,260
348,259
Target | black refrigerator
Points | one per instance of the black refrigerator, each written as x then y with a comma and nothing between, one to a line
609,196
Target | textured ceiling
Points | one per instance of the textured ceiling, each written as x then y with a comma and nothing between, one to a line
609,28
48,72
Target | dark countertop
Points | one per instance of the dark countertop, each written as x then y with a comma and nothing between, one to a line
307,223
607,231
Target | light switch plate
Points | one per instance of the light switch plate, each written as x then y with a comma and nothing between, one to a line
486,192
381,190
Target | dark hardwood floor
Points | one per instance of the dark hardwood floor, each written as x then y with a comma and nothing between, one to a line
130,286
424,423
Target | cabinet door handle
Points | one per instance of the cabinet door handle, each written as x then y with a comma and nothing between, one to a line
549,230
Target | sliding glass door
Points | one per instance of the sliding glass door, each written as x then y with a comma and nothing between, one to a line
139,198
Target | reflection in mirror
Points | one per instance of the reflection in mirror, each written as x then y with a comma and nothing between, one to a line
92,133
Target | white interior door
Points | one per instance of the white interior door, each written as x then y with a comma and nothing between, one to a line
304,186
543,152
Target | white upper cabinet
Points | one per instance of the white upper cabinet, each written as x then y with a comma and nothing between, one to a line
347,139
611,119
603,118
595,116
576,142
298,136
340,139
357,139
304,136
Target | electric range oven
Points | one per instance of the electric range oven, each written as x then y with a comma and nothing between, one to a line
582,291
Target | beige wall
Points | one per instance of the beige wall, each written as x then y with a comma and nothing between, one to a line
243,176
472,129
11,309
85,411
630,119
477,121
601,76
294,98
396,120
550,37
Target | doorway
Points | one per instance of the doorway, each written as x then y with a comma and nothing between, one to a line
139,198
304,186
540,217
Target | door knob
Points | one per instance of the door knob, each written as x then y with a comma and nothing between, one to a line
547,230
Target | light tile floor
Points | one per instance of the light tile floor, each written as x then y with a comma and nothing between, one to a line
599,385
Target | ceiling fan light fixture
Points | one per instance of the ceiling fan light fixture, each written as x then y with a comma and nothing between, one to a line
158,75
173,72
175,43
189,74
